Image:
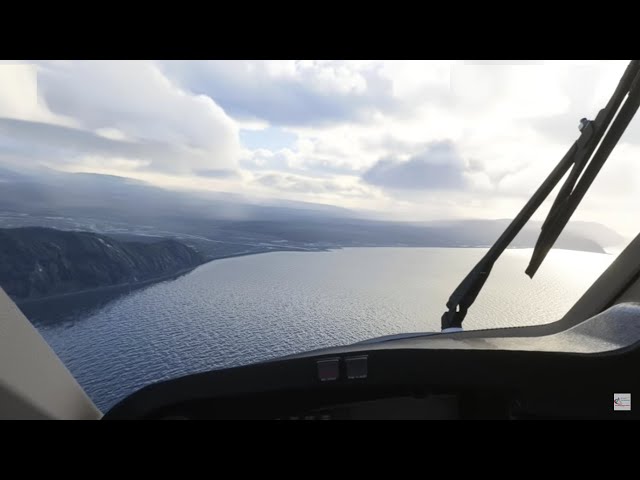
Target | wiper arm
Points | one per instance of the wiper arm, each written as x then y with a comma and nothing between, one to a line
571,193
592,132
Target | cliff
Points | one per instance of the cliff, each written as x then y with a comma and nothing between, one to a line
38,262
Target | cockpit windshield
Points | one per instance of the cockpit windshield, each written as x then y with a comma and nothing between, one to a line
160,218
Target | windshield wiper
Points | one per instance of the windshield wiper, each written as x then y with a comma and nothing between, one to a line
592,139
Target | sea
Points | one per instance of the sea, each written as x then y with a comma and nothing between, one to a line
242,310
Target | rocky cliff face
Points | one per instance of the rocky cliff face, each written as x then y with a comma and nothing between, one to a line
37,262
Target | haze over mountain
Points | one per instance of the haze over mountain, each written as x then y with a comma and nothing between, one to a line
221,224
406,140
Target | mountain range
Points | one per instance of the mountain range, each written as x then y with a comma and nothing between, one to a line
132,231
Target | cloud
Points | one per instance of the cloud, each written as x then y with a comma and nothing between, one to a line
296,183
40,135
216,173
503,62
289,92
265,159
305,159
20,97
587,89
127,109
362,134
55,145
347,188
439,167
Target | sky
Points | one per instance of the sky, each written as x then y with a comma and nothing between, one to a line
402,140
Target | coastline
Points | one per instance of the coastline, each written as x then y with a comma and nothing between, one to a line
107,288
125,287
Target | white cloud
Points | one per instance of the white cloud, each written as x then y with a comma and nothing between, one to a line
20,97
93,163
177,124
129,102
312,93
112,133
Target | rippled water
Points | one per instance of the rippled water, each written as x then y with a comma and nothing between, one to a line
241,310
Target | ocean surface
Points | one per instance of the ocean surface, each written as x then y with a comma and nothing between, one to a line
241,310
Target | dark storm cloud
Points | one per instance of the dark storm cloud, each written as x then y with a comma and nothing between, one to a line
438,167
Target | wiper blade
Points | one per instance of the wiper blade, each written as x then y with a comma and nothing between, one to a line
592,135
573,190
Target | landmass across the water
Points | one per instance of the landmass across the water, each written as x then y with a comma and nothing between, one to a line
97,231
39,263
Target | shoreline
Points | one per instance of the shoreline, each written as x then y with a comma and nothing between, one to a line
180,273
134,285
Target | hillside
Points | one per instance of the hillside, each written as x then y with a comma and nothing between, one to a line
37,262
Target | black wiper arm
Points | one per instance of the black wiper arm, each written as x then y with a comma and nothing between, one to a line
568,198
